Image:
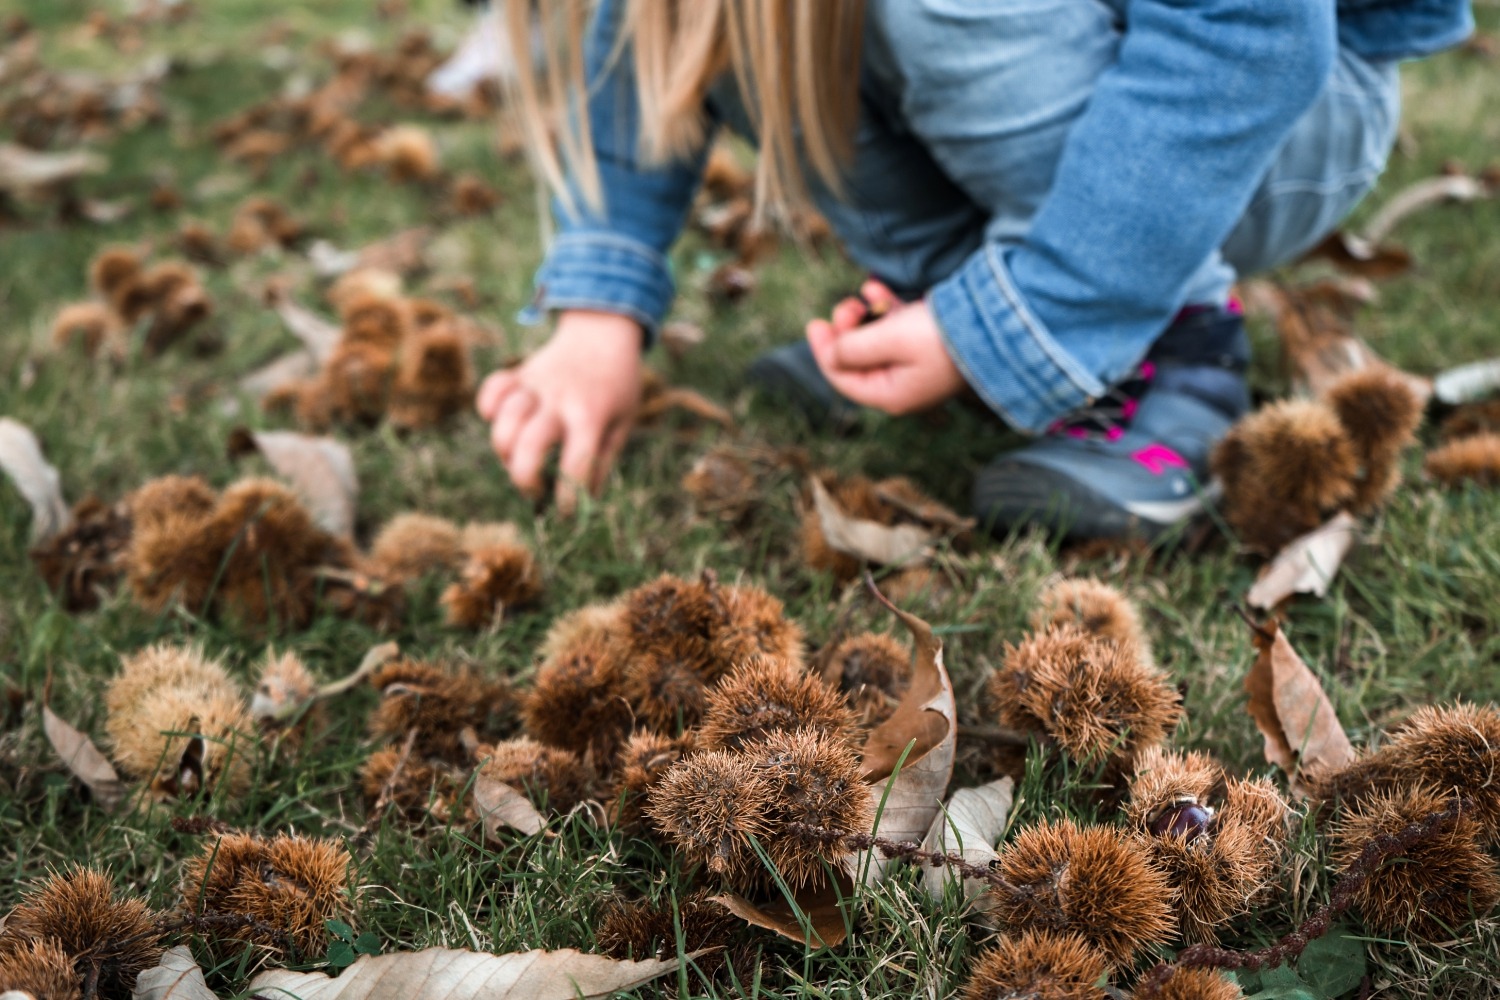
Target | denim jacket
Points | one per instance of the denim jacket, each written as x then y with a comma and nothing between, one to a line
1189,109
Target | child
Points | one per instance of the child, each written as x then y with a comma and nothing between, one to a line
1055,197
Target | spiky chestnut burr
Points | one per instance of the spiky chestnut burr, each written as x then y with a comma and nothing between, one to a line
284,889
1095,881
110,940
764,696
1040,964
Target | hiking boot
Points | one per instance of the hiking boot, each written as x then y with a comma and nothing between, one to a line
1136,462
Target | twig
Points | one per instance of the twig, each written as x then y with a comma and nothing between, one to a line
995,734
1375,853
388,790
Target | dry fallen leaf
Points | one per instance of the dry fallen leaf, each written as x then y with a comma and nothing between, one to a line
176,977
1292,711
869,541
320,470
1420,195
318,335
25,171
969,826
448,974
1306,566
1363,257
821,923
920,737
1467,383
84,760
37,480
274,374
501,807
1318,346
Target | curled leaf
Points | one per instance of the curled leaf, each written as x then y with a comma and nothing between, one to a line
817,921
320,470
870,541
84,760
1306,566
1292,711
176,977
38,481
1467,383
920,738
1431,191
501,807
449,974
25,171
969,826
318,335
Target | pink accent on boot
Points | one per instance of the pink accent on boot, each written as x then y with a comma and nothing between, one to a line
1159,458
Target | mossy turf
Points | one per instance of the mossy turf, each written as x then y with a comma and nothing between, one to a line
1411,619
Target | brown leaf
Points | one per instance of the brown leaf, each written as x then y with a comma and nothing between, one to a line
1360,256
291,367
318,335
1292,711
970,826
176,977
920,737
84,760
1306,566
661,400
821,924
1422,194
26,171
501,807
400,253
1467,383
870,541
1319,348
320,470
22,460
448,974
680,337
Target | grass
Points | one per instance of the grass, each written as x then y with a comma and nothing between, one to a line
1410,620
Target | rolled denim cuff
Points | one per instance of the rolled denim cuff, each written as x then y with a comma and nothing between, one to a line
1004,352
606,272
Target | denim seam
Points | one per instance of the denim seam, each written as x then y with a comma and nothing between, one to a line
1064,362
551,304
1354,179
598,239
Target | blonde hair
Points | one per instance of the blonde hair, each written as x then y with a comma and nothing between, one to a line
796,63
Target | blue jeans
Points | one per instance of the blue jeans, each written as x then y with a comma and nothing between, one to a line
1059,177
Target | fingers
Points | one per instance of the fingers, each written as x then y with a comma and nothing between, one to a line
614,442
881,299
532,446
493,391
848,314
513,412
876,346
575,467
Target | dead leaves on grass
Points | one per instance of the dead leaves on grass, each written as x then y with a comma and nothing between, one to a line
84,760
908,758
1292,712
37,480
447,974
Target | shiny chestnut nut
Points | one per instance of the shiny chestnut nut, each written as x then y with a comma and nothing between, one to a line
1188,819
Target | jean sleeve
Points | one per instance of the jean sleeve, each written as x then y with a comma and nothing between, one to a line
1152,178
615,259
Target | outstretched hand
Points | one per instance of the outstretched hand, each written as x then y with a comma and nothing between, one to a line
580,392
896,363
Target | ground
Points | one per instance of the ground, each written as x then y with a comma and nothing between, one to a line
1411,619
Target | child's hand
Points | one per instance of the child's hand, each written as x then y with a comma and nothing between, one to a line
897,363
580,390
